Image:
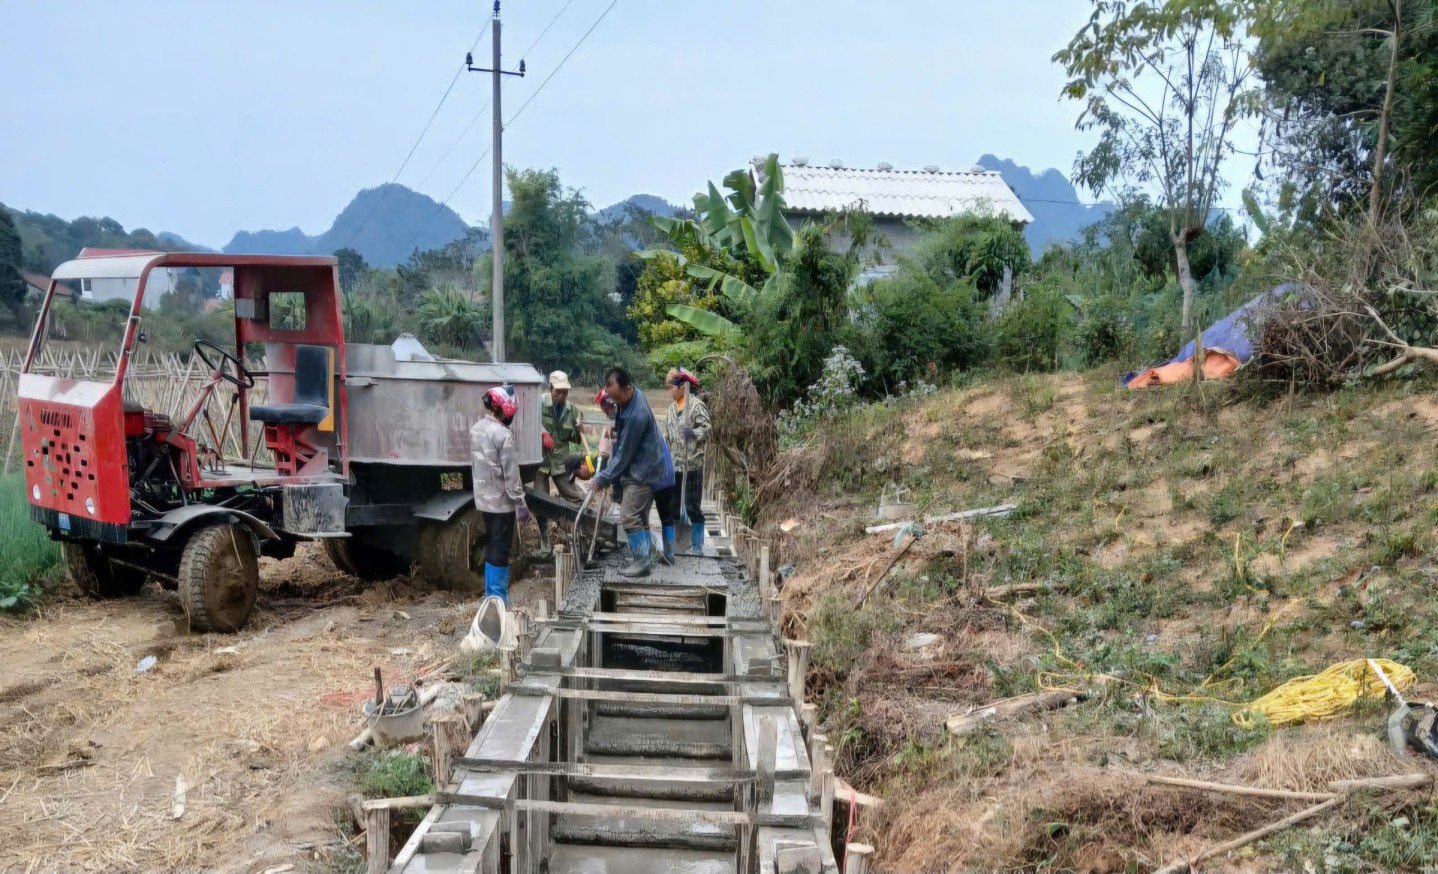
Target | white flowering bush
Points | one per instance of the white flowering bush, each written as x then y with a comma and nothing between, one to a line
834,393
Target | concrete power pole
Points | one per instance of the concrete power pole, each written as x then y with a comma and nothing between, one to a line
496,222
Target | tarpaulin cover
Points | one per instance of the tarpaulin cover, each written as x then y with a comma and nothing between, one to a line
1226,346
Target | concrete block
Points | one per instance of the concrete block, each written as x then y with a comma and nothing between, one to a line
799,860
443,842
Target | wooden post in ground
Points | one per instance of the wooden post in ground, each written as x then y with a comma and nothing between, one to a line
376,835
817,743
809,719
798,672
856,858
766,587
768,756
826,791
561,576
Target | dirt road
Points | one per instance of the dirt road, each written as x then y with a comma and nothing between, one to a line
255,723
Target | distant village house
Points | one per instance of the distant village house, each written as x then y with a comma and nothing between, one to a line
895,198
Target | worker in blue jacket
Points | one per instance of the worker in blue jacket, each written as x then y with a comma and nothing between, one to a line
640,463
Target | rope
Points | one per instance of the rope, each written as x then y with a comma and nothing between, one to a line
1326,695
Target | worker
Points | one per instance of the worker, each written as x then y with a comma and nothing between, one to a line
560,420
498,492
687,430
640,465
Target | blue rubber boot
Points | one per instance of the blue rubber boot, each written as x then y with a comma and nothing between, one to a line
668,544
696,540
496,582
641,545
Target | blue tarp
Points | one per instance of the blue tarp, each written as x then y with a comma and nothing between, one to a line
1229,334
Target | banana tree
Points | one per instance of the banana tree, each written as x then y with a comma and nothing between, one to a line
747,221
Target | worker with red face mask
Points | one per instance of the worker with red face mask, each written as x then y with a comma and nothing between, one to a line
498,492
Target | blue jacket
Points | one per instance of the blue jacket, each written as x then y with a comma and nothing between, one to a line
640,454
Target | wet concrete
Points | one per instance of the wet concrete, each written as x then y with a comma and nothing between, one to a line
626,739
628,860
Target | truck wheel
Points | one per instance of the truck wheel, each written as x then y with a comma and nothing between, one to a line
219,578
445,549
366,561
97,576
451,554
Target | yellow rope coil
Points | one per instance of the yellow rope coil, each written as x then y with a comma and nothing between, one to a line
1326,695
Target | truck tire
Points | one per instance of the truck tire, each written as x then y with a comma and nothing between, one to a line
364,560
219,578
97,576
451,554
445,550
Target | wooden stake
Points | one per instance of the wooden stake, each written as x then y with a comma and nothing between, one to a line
798,672
1240,790
1255,835
767,757
856,858
377,839
809,719
826,791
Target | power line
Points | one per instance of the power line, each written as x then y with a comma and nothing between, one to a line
485,154
478,115
405,163
526,52
1109,204
561,63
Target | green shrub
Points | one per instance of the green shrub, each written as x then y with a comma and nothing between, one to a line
910,328
26,551
1030,334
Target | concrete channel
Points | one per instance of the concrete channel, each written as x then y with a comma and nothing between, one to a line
653,729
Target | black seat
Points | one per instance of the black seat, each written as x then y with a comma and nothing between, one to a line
289,414
314,376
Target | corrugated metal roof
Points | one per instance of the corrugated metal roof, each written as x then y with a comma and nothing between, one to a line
903,193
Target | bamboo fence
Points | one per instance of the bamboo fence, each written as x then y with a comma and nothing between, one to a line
168,383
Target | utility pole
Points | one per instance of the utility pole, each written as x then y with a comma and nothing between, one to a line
496,222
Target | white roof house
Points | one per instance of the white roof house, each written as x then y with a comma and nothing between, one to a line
901,194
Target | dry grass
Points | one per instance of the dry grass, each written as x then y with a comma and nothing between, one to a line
1309,759
91,750
1182,522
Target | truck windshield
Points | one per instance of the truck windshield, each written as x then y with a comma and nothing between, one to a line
181,305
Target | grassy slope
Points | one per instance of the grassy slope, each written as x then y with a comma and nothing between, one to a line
1195,537
26,553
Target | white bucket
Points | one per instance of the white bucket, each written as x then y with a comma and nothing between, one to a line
491,628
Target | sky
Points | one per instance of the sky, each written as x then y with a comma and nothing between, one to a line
206,117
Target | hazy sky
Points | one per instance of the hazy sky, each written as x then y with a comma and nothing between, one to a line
205,117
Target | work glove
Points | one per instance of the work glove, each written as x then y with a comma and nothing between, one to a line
522,511
548,442
689,435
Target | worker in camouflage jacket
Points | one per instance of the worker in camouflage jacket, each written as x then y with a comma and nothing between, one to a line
498,491
561,438
686,428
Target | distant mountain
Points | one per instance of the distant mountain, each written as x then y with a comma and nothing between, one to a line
384,224
48,240
647,202
177,242
291,242
1059,217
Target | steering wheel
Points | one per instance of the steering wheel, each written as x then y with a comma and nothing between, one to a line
241,377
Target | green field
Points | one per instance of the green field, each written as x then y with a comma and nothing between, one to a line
26,552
